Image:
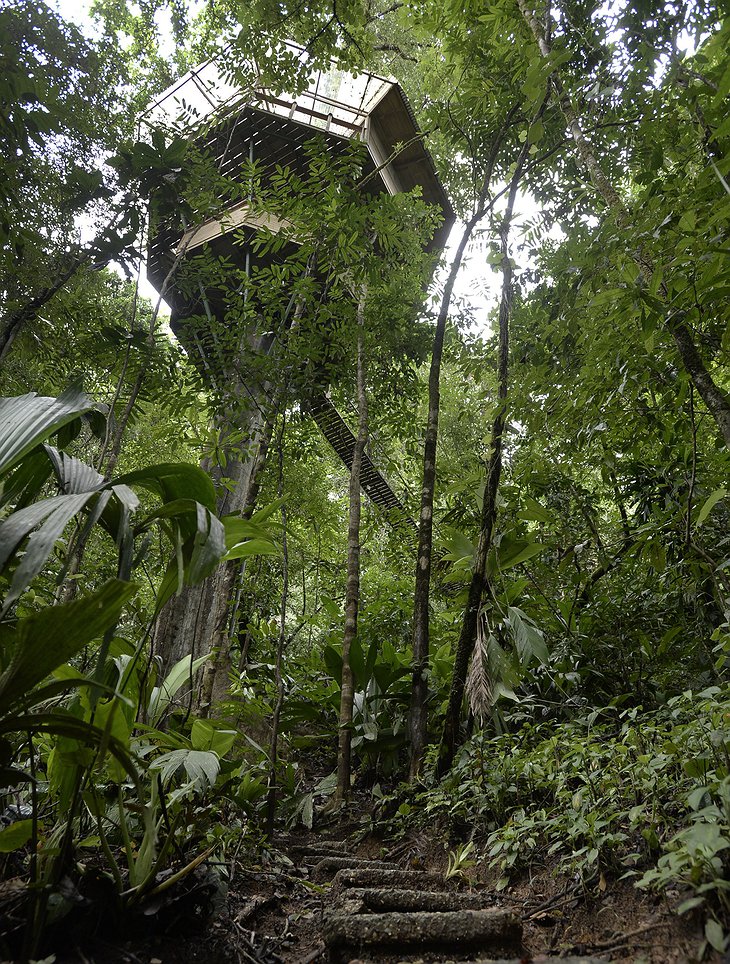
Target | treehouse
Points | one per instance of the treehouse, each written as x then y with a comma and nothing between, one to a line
233,126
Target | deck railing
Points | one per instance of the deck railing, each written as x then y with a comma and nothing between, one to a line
334,100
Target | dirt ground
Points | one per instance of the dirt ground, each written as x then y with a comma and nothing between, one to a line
271,913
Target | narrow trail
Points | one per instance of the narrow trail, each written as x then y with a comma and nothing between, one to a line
320,897
373,910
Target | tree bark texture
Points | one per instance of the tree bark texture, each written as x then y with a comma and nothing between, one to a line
717,402
214,682
194,622
418,715
352,598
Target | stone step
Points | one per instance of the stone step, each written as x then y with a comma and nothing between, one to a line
539,959
390,879
325,848
376,900
326,868
311,860
482,930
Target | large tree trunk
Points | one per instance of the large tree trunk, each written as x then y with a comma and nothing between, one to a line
479,582
717,402
214,683
195,621
352,599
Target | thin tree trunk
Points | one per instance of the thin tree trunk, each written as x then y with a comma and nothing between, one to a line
418,716
67,590
274,742
418,720
717,402
352,600
13,323
479,583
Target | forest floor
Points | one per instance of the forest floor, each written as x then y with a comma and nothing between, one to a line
272,912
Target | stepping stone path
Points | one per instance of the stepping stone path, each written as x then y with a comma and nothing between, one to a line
375,912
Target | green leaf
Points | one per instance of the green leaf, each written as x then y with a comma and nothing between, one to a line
47,640
61,724
534,511
21,523
608,296
536,132
74,476
723,88
717,496
500,690
205,543
205,736
173,481
110,718
209,545
239,530
695,768
182,672
15,836
690,904
28,420
26,480
202,767
511,552
333,661
459,546
695,798
308,810
715,935
357,664
529,640
254,547
57,513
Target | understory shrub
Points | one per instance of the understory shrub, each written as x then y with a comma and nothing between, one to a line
625,792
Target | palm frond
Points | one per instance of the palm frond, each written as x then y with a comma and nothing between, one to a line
479,689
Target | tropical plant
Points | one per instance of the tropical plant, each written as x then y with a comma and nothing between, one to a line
88,738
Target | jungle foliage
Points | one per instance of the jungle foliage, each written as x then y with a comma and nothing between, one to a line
572,681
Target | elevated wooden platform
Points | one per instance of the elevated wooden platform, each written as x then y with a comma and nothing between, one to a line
235,125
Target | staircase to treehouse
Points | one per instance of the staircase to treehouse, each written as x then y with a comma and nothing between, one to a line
373,483
375,911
